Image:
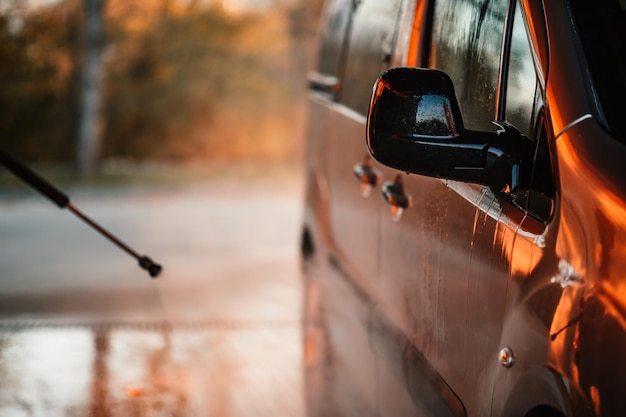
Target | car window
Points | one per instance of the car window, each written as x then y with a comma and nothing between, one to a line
371,44
522,80
338,21
602,29
466,44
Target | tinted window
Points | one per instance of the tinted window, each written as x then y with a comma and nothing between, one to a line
466,44
371,43
602,28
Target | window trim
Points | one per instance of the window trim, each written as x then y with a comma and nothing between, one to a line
505,56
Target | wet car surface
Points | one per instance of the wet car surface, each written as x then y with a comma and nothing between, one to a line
84,332
463,235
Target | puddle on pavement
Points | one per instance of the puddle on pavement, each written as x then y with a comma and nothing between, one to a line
120,371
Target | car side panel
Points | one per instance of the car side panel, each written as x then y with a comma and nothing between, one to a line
444,278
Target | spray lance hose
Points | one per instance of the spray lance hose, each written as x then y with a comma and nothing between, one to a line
63,201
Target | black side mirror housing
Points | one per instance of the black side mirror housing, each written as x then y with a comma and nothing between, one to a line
415,125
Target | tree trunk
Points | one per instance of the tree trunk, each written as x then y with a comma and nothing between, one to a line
90,123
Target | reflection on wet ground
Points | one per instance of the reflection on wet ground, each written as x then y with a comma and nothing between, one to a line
149,371
85,332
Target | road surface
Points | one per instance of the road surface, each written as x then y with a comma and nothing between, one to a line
85,332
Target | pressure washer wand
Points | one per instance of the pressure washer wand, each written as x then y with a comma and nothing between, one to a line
63,201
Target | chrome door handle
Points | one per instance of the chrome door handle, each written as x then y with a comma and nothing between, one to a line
393,193
366,175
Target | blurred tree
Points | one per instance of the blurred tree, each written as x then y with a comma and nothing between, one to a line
189,81
89,121
183,80
37,50
169,67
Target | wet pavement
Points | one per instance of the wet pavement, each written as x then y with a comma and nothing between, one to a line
85,332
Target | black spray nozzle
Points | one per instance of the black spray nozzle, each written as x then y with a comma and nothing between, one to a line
149,265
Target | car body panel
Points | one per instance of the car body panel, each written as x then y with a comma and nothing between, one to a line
466,304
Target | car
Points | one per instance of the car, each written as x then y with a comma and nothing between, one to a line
489,279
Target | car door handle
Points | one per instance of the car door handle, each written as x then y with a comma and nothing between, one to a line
366,175
393,193
327,84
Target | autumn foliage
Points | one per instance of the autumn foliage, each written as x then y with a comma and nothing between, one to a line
183,80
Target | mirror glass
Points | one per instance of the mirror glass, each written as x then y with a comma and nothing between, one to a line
433,117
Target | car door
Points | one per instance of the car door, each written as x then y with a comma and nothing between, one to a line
338,124
447,262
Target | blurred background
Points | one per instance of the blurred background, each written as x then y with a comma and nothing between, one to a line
101,82
177,125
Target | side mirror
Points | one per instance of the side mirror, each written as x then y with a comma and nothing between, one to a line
415,125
